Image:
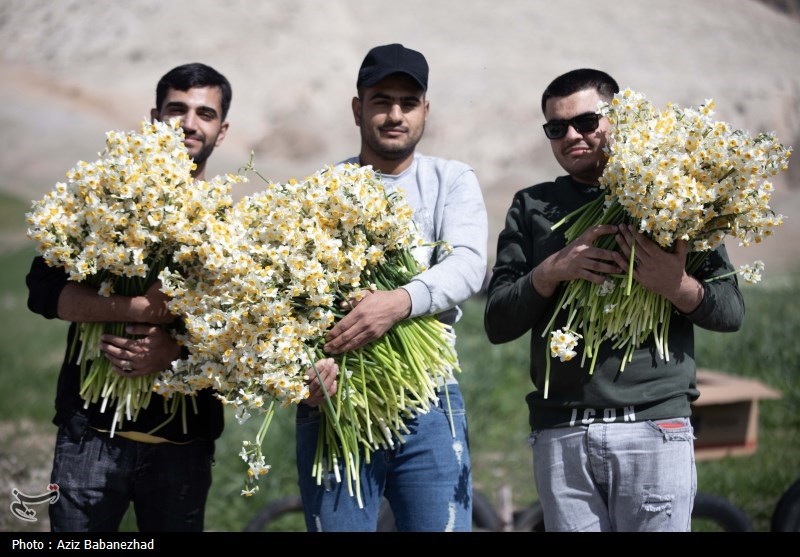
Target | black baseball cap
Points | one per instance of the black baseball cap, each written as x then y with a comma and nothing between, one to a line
383,61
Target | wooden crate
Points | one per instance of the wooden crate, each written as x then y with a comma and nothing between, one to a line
725,417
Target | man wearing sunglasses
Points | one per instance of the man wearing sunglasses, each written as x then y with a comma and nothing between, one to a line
612,451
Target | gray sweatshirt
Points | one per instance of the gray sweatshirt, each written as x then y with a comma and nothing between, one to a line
448,205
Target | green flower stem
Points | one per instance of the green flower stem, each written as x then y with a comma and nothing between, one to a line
547,357
333,436
636,312
351,453
268,415
367,417
393,379
631,261
381,384
124,396
170,409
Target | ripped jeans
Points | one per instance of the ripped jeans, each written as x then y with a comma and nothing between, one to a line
625,477
427,480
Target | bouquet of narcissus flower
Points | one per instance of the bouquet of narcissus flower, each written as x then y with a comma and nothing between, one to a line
267,281
673,174
110,226
103,226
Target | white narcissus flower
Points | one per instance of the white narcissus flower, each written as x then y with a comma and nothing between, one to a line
678,171
112,225
752,273
562,344
607,287
259,283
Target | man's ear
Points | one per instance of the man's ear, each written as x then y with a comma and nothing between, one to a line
223,130
356,106
154,114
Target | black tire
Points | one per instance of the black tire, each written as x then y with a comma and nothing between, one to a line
786,517
530,519
721,512
484,516
272,511
718,510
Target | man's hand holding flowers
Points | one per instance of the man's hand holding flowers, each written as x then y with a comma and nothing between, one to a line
369,319
658,270
580,259
328,372
152,351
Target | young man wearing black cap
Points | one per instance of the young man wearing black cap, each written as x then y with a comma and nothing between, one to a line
427,478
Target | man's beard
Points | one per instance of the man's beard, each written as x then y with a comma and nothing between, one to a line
392,153
203,155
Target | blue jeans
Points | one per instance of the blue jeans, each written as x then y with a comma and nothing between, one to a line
634,477
100,476
427,480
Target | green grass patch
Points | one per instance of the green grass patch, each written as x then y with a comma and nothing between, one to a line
31,347
12,213
766,349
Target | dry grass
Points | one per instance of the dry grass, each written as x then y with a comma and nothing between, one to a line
26,456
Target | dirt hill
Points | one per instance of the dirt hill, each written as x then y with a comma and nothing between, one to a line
73,69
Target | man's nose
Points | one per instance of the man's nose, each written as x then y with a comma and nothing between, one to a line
189,121
395,113
572,133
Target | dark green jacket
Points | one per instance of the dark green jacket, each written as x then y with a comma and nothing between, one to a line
649,388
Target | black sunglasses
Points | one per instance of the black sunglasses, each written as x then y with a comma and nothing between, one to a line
583,123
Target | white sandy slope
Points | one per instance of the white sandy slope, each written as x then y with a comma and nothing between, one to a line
72,69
